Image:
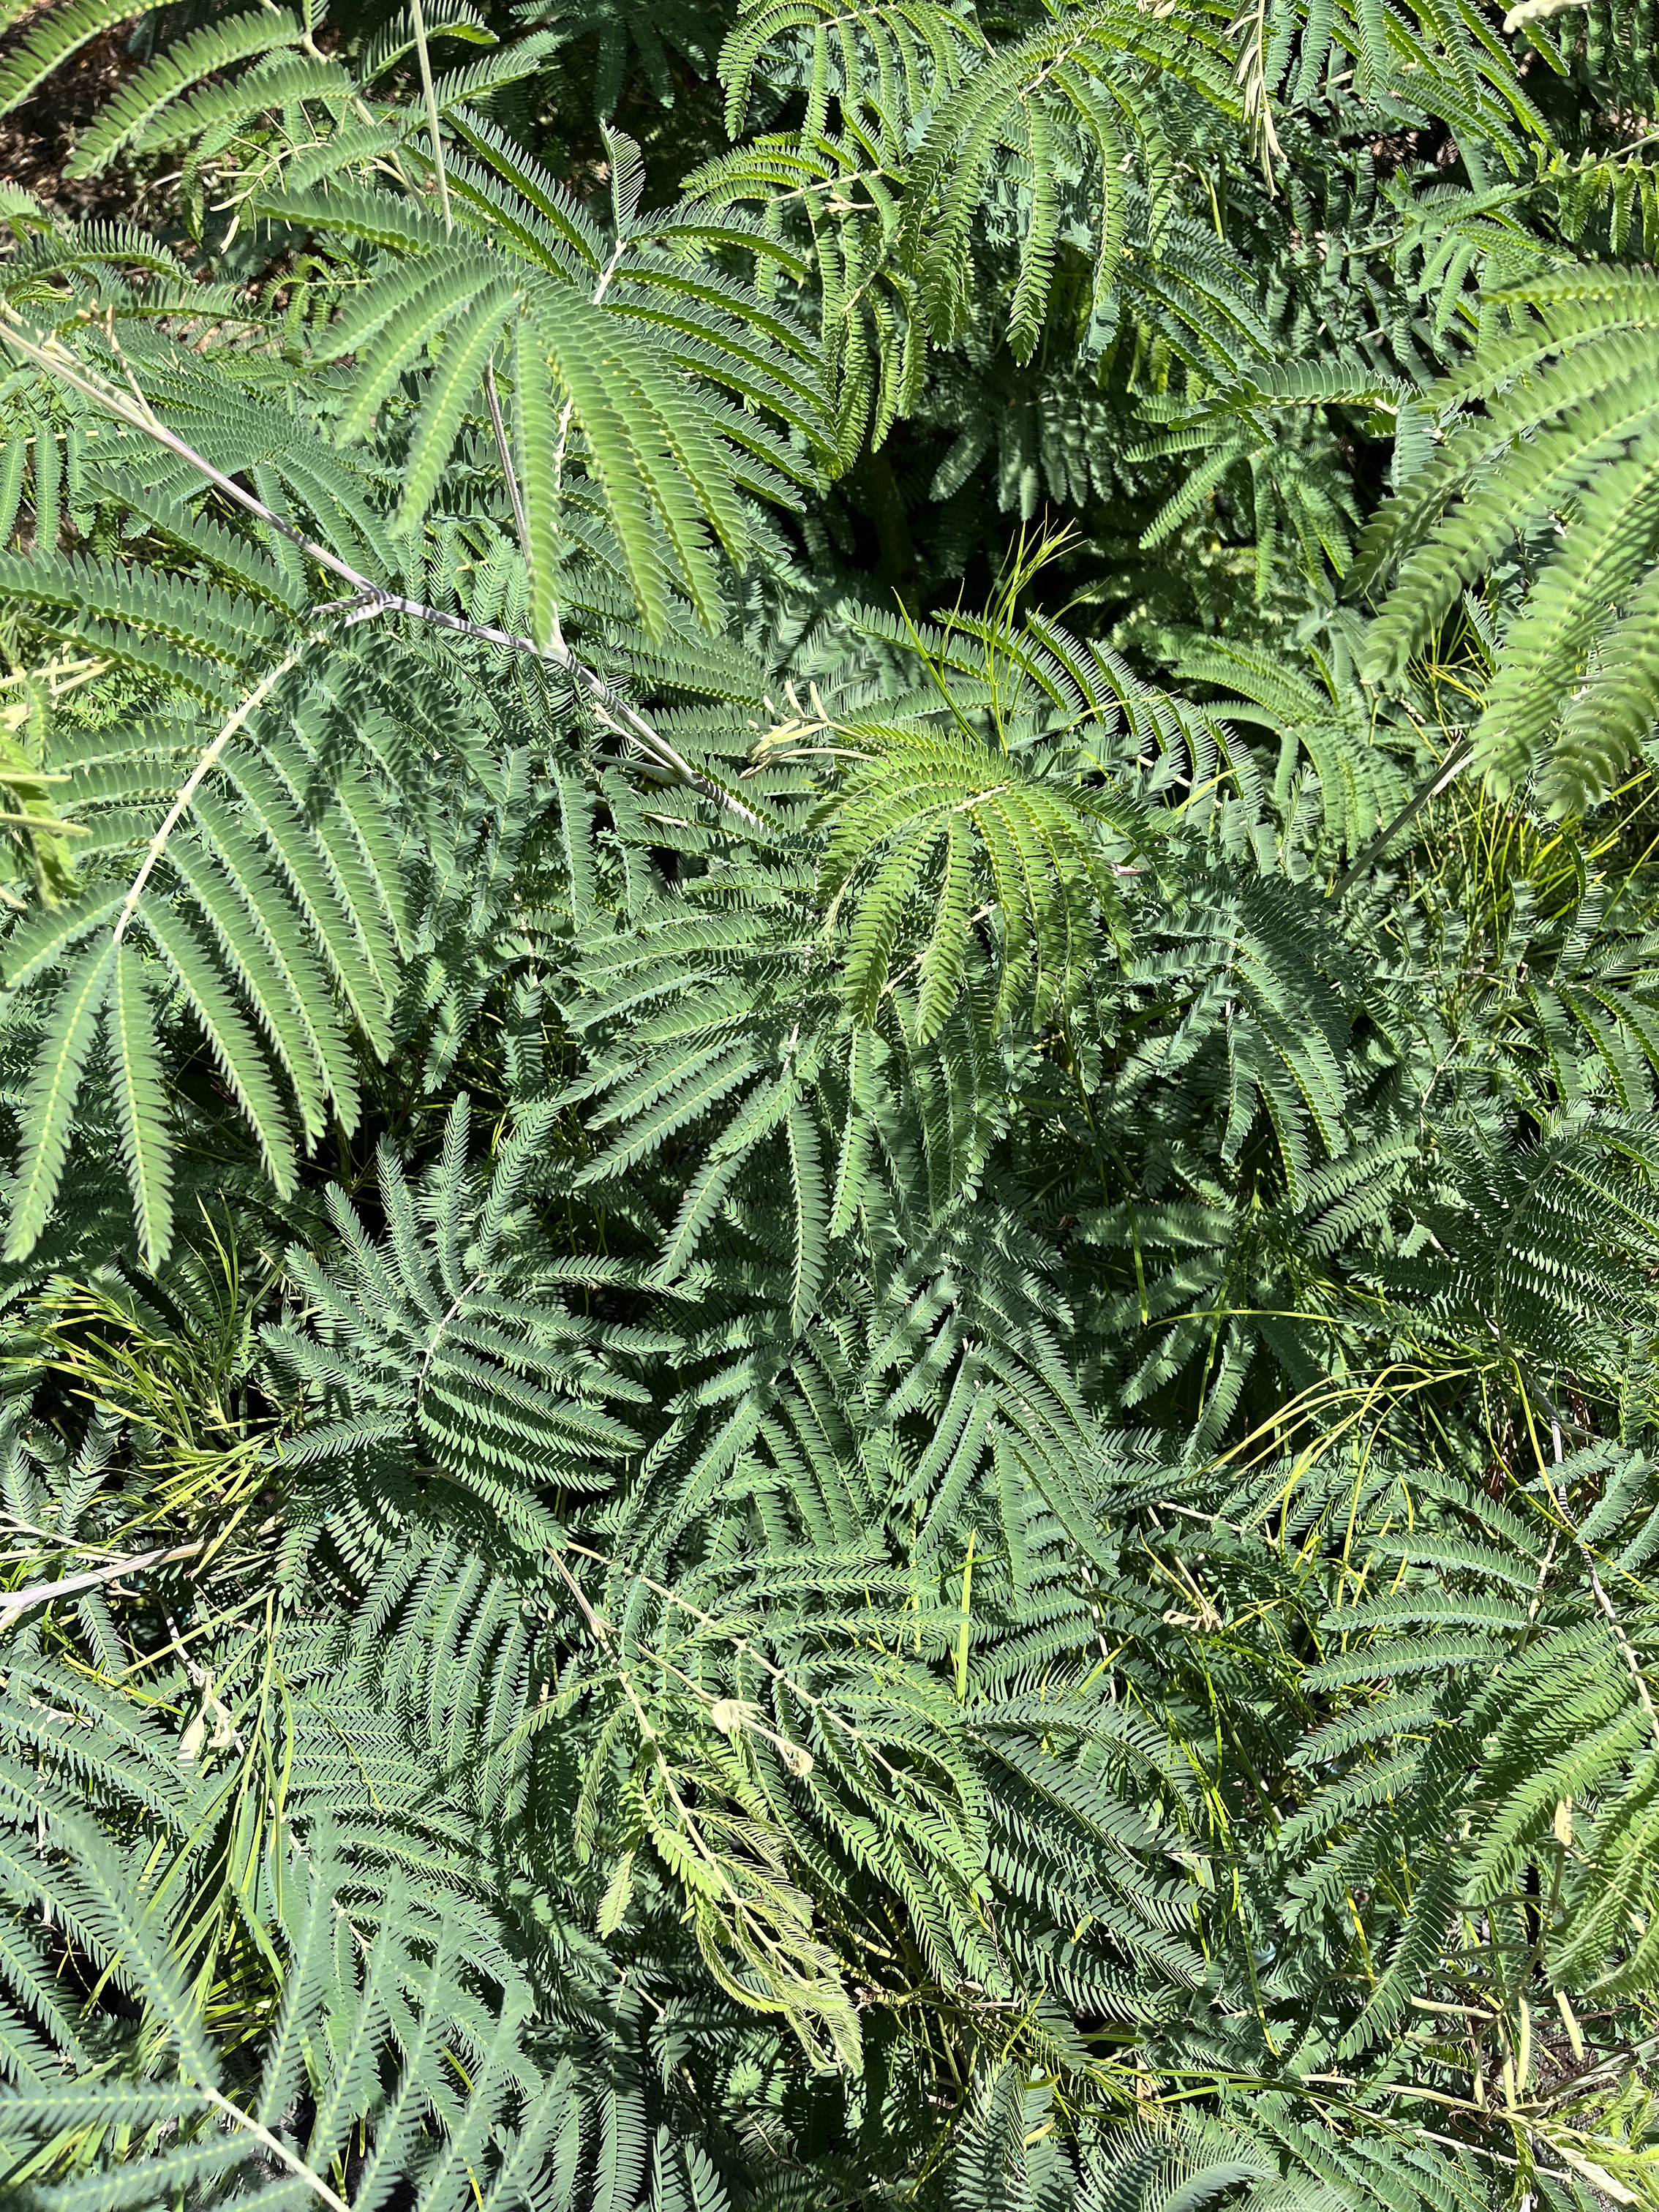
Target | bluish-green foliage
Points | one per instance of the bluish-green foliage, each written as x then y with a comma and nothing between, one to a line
830,1058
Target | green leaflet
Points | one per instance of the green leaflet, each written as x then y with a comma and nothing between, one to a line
1588,396
830,1303
1046,867
52,42
54,1086
229,1039
140,1100
129,117
595,365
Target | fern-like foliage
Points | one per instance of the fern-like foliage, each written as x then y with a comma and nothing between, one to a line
845,192
812,1403
217,83
353,1966
628,31
1564,432
248,930
510,1392
657,374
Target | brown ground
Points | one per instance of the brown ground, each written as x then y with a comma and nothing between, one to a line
37,139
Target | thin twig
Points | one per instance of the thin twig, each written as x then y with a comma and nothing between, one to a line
506,452
370,598
1454,764
278,2149
14,1603
418,21
192,784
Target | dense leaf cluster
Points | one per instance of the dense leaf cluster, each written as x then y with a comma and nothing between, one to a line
830,1061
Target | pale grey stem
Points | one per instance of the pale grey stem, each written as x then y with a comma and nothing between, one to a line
279,2150
611,708
418,22
14,1603
506,453
203,768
